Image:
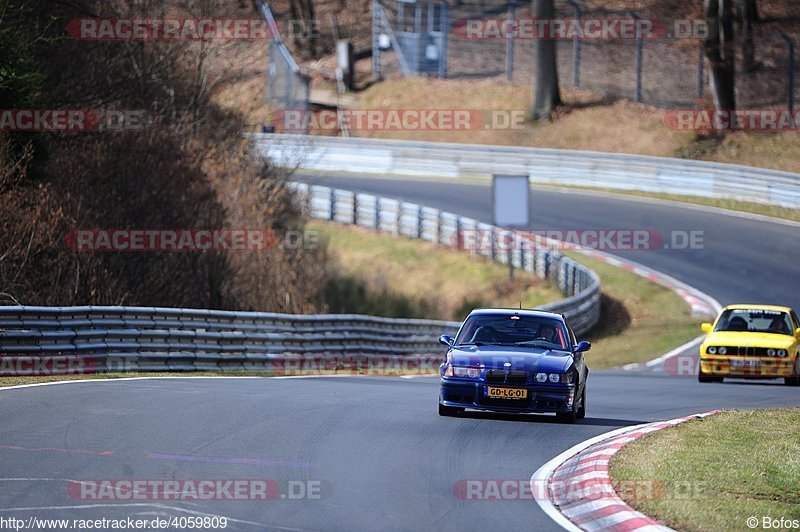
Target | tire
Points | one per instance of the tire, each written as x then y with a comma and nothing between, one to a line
703,377
792,381
449,411
569,417
581,413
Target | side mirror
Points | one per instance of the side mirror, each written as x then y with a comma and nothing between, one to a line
446,340
797,332
706,327
582,347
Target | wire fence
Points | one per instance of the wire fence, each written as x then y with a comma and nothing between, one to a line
287,86
668,71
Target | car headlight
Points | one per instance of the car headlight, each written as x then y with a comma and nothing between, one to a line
722,350
555,378
711,350
782,352
462,372
770,352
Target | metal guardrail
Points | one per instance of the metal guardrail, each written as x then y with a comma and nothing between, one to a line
94,339
546,166
579,284
102,339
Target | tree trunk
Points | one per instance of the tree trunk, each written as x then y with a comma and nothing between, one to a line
546,94
748,16
302,11
720,53
751,10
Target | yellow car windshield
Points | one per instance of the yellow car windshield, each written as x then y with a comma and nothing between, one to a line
755,320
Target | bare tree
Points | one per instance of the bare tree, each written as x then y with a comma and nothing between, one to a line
748,16
720,52
751,10
546,93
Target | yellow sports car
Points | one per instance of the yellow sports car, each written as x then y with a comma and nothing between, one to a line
751,342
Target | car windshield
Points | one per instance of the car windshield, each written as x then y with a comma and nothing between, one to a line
535,331
765,321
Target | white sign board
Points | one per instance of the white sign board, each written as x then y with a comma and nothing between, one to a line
510,200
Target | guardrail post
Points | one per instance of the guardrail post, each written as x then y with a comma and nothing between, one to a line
399,219
377,213
309,200
419,222
355,208
547,258
574,289
459,239
332,213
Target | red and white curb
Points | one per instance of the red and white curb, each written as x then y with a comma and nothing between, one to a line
578,494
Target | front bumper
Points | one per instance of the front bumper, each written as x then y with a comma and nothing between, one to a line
748,367
553,398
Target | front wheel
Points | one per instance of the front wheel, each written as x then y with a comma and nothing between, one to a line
449,411
571,416
792,381
581,413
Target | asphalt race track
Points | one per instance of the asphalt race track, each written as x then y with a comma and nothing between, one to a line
743,260
383,456
386,459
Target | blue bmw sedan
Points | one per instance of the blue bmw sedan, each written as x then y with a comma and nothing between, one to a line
514,361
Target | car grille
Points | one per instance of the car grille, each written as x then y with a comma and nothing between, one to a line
499,376
745,351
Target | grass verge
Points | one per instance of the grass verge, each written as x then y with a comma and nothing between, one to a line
719,471
383,275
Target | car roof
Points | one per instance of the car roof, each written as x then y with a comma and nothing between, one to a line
758,307
516,312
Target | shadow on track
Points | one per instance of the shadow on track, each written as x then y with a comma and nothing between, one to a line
540,418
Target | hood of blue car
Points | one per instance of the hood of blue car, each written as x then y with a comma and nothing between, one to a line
520,358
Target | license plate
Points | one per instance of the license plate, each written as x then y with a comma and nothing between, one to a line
494,392
739,363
